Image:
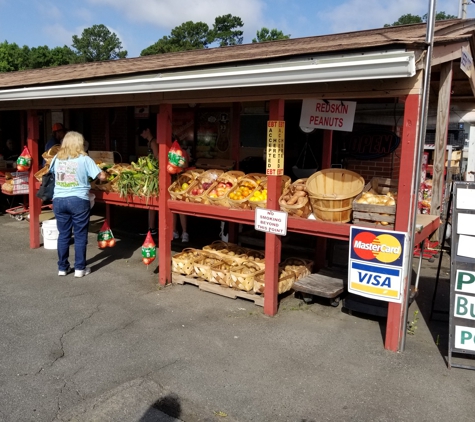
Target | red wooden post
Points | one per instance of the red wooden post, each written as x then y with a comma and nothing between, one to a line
396,323
273,242
321,248
34,203
165,223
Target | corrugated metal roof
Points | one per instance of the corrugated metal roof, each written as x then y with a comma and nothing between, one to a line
408,36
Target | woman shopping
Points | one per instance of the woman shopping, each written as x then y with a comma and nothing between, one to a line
72,167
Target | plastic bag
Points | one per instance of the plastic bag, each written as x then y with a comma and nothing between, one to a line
23,162
105,238
149,250
177,156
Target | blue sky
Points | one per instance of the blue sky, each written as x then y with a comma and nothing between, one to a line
140,23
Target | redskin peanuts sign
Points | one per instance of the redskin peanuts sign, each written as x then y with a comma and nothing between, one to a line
333,115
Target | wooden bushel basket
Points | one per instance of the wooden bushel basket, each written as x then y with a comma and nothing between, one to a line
243,276
331,193
285,283
182,263
202,265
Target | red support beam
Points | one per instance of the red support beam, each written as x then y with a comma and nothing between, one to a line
327,149
164,139
34,203
273,242
396,323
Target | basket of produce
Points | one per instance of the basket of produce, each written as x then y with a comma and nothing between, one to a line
209,176
331,193
220,272
257,257
229,251
139,179
295,201
182,262
198,190
240,194
108,185
257,177
301,267
259,196
376,205
179,188
235,174
202,265
217,193
242,277
285,283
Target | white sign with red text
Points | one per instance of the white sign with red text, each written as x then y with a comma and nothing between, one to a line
333,115
271,221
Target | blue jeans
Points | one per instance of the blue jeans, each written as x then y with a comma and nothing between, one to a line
72,213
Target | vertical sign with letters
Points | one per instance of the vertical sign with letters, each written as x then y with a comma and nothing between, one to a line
275,147
462,274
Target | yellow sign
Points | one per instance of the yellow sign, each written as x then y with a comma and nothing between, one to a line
275,147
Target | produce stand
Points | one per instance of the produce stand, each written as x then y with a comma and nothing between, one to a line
389,71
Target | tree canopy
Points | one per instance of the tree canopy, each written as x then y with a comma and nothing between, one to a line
191,36
410,19
264,34
97,43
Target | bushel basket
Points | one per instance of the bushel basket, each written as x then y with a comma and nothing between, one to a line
331,193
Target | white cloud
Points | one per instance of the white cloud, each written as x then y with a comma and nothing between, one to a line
49,11
59,34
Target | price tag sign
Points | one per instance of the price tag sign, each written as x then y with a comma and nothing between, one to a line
270,221
275,147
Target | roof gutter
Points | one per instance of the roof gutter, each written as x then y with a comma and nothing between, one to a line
400,64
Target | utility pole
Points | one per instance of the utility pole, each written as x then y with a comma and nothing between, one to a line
463,8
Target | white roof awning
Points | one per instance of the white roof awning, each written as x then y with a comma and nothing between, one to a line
392,64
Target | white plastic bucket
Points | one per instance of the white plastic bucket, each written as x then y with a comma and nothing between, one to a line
50,234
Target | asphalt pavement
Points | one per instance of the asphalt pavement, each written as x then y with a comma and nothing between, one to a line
114,346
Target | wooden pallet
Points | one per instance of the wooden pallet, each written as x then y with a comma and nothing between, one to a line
218,289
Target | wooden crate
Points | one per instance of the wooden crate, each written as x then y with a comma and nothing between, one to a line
373,215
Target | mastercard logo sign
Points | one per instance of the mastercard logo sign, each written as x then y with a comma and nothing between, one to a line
384,248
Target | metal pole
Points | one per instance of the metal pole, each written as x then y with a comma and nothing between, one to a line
421,138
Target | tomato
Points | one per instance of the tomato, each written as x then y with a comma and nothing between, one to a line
102,244
147,261
111,243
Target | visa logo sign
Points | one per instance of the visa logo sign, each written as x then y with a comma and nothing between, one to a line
375,281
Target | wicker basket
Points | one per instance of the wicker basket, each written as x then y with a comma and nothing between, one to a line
223,199
229,251
285,283
210,175
182,262
243,276
41,172
257,177
241,203
175,188
202,265
331,193
220,272
301,267
302,210
109,186
258,257
235,174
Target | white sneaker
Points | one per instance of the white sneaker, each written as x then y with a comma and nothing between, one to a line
176,235
185,238
82,273
64,272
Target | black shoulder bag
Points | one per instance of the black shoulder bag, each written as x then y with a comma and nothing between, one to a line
46,190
